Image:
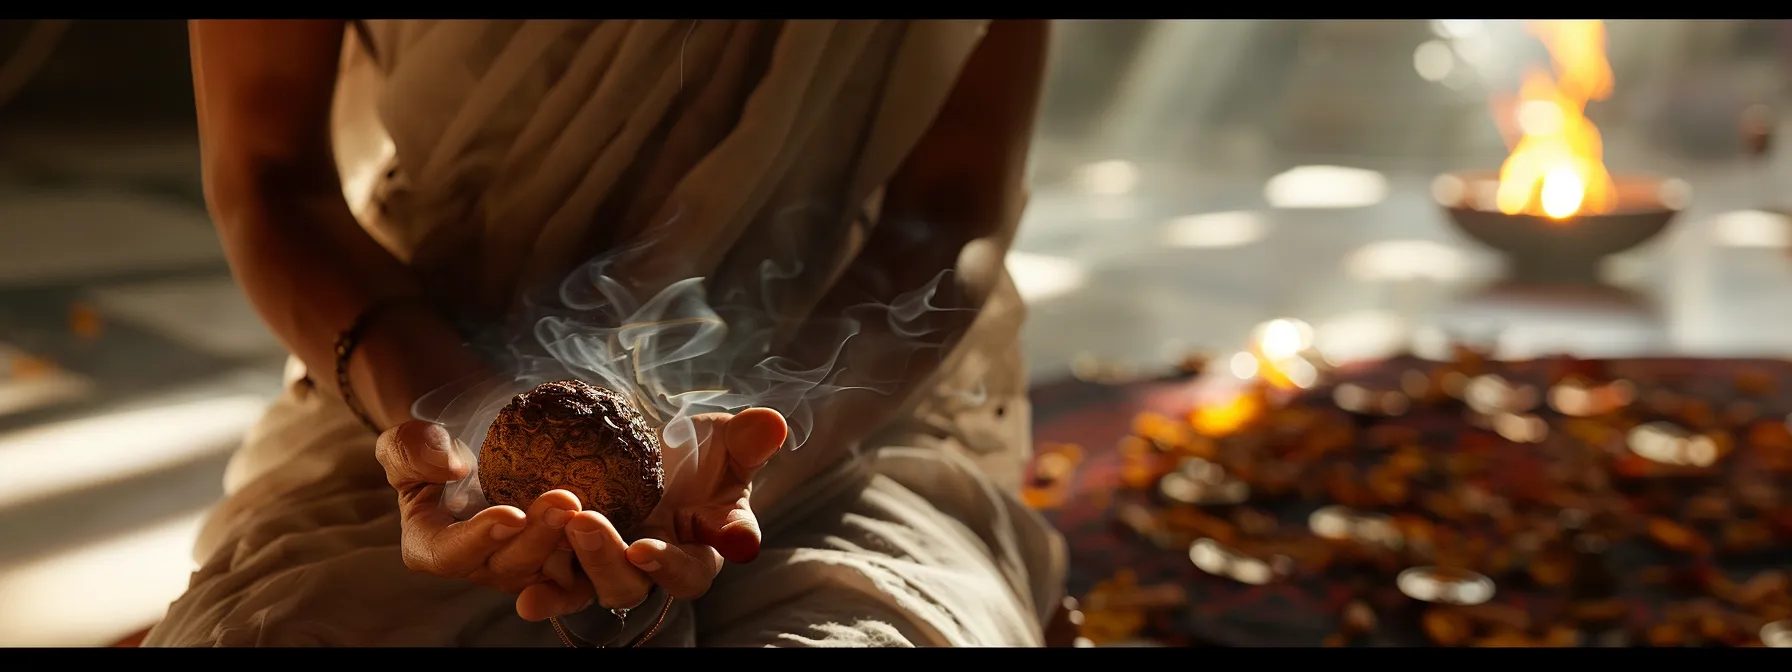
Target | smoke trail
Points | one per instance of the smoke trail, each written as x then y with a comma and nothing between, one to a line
689,349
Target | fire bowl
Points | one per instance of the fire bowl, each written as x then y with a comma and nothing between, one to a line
1539,249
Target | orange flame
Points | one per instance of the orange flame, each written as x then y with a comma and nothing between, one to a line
1556,168
1274,372
1226,418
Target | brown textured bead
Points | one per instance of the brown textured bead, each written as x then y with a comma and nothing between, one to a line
583,439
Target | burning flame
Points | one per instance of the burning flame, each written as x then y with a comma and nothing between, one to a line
1556,169
1277,348
1229,417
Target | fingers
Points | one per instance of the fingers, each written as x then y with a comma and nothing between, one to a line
542,601
732,531
419,453
563,570
750,438
601,554
458,549
419,458
684,570
520,561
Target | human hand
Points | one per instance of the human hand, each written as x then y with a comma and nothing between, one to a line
500,547
703,518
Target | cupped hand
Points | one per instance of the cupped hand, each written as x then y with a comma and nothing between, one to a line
501,547
703,519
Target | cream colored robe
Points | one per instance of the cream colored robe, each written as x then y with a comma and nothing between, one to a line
476,150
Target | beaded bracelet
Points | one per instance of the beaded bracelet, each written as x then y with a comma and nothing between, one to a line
345,348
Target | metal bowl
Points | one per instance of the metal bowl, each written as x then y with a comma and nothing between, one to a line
1541,249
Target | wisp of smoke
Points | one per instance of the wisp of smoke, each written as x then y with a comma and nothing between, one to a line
687,350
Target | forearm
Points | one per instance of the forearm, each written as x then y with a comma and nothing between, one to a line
311,272
263,92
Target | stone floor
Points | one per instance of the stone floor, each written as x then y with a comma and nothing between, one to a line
130,364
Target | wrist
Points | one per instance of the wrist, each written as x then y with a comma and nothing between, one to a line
597,625
403,356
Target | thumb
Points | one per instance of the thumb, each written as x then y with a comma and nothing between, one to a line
753,437
418,453
419,457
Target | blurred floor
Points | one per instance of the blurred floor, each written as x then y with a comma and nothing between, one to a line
1171,210
129,366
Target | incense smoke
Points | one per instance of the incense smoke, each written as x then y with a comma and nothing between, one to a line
694,348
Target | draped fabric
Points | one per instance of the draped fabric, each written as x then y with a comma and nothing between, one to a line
495,156
531,145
